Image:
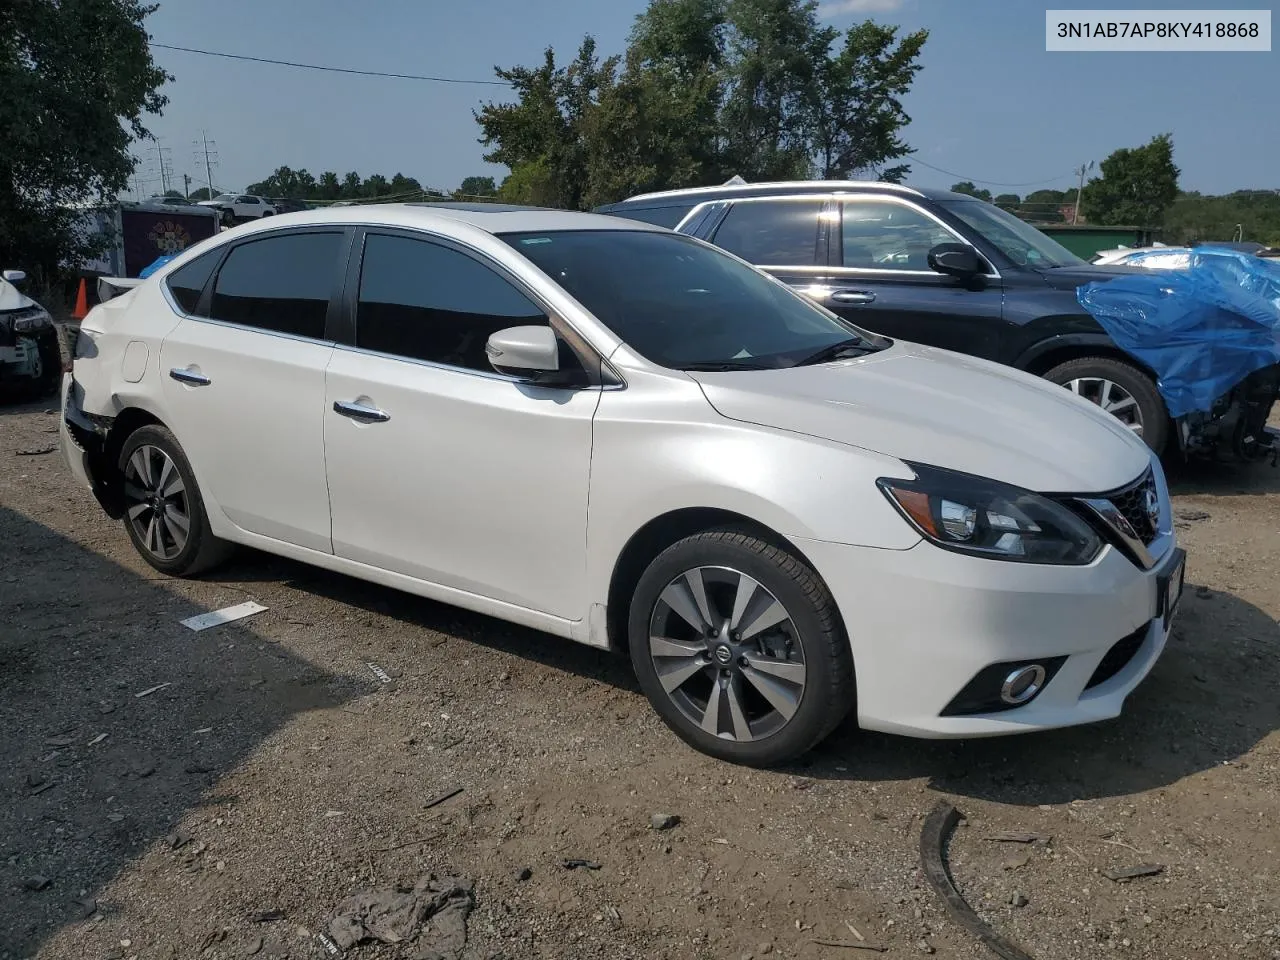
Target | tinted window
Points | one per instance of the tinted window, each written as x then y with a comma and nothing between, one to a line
247,200
430,302
1017,240
281,283
772,232
659,216
883,235
681,303
187,282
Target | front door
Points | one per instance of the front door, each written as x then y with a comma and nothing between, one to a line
880,279
439,468
244,382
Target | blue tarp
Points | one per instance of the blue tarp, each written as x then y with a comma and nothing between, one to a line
1202,329
154,265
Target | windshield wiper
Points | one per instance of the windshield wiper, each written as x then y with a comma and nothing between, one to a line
853,347
721,365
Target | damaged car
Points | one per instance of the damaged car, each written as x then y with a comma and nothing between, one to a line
30,350
952,271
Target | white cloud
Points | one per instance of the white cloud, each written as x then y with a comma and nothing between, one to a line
837,8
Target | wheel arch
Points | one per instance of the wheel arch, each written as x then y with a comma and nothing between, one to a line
658,534
107,476
1043,357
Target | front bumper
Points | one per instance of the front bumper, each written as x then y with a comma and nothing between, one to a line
924,622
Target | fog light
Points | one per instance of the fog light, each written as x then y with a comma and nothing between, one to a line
1022,684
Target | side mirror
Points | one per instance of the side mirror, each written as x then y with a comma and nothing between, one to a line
531,352
956,260
15,276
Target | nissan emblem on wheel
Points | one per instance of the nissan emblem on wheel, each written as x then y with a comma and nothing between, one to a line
778,516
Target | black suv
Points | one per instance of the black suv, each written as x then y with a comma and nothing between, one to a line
927,266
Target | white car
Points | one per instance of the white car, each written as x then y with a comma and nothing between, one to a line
632,439
241,206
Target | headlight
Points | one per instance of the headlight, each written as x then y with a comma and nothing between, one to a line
989,519
35,318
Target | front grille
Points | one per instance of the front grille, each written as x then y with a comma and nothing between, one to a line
1132,503
1118,657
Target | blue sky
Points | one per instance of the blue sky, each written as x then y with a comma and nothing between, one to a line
989,104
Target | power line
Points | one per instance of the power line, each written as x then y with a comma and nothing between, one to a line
994,183
316,66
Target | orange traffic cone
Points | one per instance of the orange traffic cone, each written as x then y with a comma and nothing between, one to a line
82,302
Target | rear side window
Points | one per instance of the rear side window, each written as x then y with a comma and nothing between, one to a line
281,284
187,282
426,301
780,233
658,216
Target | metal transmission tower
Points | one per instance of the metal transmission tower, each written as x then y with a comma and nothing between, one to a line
206,152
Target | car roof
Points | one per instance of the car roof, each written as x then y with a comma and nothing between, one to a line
489,217
696,195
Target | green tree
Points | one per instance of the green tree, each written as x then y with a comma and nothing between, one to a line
350,186
328,187
1006,201
401,185
530,183
857,107
970,189
1137,186
76,83
1044,206
202,193
472,187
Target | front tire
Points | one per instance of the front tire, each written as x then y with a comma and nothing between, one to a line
164,512
739,647
1120,389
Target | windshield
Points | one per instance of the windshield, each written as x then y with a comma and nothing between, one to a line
1016,239
684,304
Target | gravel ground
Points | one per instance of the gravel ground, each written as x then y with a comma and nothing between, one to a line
166,790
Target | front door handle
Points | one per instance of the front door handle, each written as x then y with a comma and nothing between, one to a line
852,296
183,375
358,411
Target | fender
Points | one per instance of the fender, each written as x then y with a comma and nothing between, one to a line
1041,348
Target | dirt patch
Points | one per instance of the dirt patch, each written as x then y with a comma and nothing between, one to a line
228,813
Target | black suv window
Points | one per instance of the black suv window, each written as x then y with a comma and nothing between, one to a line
780,233
886,235
426,301
281,283
187,282
658,216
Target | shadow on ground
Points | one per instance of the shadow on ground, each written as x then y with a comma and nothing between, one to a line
117,721
1210,698
1223,479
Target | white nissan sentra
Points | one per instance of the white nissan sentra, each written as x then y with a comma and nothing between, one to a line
632,439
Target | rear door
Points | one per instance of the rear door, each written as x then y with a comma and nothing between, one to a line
879,278
244,380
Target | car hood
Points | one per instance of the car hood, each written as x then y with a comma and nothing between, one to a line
11,298
1068,278
945,409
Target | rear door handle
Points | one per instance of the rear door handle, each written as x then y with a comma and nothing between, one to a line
183,375
852,296
358,411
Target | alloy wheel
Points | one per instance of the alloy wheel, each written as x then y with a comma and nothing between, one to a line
156,502
1111,397
727,654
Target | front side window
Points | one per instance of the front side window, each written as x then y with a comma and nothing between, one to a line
883,235
248,200
782,233
188,281
426,301
282,283
684,304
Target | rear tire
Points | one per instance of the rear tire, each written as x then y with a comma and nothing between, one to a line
1131,391
164,512
769,677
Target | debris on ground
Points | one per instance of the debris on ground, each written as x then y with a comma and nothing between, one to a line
851,945
938,826
1019,900
1130,873
35,451
575,864
436,801
523,874
36,882
216,618
150,690
663,821
1019,838
400,914
378,672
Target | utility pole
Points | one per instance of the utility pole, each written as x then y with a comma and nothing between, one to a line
161,161
186,186
1075,213
208,162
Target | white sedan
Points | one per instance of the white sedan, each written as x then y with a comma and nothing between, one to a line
632,439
